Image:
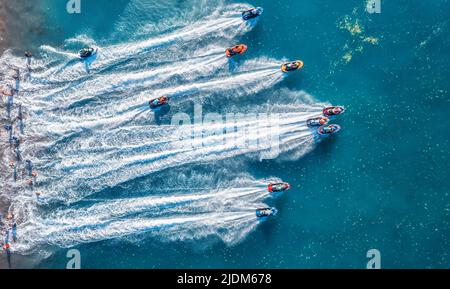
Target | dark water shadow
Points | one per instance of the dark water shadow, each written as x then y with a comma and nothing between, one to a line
161,112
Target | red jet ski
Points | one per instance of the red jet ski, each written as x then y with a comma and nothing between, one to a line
328,129
333,110
238,49
158,102
278,187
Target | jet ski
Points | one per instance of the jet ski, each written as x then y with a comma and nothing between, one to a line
328,129
333,110
87,52
278,187
291,66
7,247
158,102
318,121
266,212
252,13
238,49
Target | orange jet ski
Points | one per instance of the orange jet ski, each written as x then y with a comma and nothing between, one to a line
292,66
238,49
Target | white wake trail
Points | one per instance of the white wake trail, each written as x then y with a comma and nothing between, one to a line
226,22
130,81
101,160
230,227
258,75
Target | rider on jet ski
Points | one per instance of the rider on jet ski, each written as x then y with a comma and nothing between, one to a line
238,49
87,52
266,212
252,13
278,187
158,102
291,66
333,110
318,121
329,129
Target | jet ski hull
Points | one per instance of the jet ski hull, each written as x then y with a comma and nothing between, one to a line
321,130
248,15
237,50
326,111
288,67
94,52
314,122
278,187
160,102
266,212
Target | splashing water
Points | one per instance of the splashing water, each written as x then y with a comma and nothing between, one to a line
226,213
223,23
95,161
89,129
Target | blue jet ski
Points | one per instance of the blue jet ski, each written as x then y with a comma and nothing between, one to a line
252,13
158,102
318,121
266,212
328,129
87,52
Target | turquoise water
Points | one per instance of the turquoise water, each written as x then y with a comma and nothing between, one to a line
379,184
